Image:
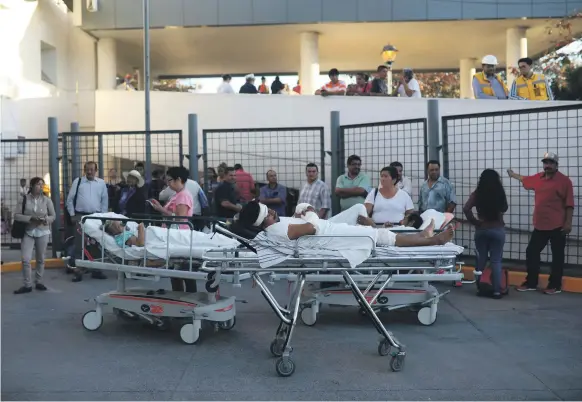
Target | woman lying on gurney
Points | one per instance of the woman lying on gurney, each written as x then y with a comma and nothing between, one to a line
256,215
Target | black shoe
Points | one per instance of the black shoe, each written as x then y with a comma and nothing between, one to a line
40,286
98,275
23,289
77,277
497,296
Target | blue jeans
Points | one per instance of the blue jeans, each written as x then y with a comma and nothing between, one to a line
489,244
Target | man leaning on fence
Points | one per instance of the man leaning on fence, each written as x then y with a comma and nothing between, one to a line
352,187
552,221
88,195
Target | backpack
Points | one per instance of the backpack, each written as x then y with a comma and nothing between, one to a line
485,282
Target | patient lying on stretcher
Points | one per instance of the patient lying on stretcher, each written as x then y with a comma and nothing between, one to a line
123,235
257,215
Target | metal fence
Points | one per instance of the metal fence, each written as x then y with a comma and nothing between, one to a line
379,144
22,159
515,139
117,153
284,150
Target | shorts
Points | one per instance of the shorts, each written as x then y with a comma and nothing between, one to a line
385,237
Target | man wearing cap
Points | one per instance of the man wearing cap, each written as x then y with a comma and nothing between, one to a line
552,220
249,86
487,84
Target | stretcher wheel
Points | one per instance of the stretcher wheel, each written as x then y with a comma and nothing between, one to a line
285,367
362,312
276,347
426,316
92,321
308,316
208,285
189,333
227,325
384,347
397,363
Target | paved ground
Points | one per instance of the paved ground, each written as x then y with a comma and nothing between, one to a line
525,347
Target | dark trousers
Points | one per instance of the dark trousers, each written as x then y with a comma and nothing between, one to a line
537,242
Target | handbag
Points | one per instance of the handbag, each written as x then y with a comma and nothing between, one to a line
19,228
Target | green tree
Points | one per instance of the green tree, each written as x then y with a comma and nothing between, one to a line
569,89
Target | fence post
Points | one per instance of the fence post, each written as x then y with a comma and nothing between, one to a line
205,161
53,137
75,152
100,155
193,146
434,144
335,153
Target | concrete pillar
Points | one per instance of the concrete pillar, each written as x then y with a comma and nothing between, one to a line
309,68
515,49
466,75
106,63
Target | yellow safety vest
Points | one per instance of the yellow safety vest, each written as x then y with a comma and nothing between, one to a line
486,84
533,88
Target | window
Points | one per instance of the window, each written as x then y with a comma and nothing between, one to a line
48,63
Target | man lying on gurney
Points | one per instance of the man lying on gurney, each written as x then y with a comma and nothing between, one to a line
256,215
123,236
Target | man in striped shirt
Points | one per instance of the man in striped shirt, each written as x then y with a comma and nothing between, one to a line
315,192
334,86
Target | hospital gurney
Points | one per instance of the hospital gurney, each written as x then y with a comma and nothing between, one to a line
304,266
156,307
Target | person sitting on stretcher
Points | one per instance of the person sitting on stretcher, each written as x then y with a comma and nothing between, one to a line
257,215
123,235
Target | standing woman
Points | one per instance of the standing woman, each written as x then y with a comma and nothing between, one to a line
388,205
39,214
181,204
491,203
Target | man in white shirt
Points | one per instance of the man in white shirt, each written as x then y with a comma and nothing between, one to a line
23,189
409,86
225,87
404,182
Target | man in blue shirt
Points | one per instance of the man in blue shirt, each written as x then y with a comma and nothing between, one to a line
436,192
273,194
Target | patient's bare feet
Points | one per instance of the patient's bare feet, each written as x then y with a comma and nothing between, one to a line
445,236
365,221
429,230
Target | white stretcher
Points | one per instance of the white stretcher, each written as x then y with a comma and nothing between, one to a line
381,273
159,307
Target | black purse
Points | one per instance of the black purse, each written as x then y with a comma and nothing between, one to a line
19,228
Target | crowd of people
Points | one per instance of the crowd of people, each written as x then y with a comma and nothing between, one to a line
232,190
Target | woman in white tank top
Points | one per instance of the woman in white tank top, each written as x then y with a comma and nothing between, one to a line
388,205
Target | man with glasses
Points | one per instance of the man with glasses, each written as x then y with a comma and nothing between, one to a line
487,84
352,187
530,85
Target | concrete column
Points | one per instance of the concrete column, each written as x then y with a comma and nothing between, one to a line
106,63
515,49
309,68
466,75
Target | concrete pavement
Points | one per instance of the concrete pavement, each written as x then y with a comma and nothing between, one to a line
524,347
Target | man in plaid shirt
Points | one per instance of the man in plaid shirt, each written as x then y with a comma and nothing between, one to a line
315,192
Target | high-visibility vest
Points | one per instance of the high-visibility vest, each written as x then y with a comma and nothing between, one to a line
263,89
533,88
486,84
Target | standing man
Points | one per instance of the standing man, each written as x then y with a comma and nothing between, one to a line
408,86
225,87
225,197
315,192
487,84
436,192
23,190
87,196
552,221
273,194
404,182
334,87
379,85
245,183
264,88
529,85
352,187
249,86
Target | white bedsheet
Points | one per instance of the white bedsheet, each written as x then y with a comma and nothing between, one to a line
182,242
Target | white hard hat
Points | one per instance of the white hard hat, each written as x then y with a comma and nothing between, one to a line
250,76
489,59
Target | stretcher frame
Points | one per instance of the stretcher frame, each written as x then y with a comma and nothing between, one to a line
301,267
159,307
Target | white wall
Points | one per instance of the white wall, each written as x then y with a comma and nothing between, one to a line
27,101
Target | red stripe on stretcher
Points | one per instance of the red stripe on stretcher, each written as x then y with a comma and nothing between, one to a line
150,300
222,310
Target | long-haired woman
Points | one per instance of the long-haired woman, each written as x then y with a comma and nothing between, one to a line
490,201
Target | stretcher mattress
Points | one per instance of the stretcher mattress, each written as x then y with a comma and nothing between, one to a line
158,245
